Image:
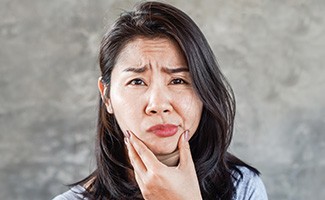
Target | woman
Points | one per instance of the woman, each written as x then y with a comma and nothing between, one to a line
165,115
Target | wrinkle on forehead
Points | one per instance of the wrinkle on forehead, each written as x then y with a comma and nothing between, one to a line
148,46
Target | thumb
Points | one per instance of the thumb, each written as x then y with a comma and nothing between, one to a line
185,156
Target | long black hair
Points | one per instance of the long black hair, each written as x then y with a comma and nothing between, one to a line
214,165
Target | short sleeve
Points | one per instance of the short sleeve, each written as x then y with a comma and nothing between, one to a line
250,186
74,193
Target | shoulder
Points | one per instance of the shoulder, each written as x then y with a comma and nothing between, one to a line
75,193
249,185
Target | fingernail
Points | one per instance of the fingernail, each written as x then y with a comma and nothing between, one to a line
126,140
186,135
127,134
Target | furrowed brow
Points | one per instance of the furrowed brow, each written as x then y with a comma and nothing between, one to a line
175,70
137,70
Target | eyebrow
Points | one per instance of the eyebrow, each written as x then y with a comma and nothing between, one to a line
175,70
140,70
137,70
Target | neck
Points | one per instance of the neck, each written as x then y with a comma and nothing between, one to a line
171,159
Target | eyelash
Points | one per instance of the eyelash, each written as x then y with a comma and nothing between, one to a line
137,80
179,79
133,82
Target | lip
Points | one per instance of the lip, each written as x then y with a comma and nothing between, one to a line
164,130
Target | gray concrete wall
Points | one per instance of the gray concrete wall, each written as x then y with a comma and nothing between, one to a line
272,52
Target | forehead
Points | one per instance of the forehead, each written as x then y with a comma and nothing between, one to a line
154,42
158,48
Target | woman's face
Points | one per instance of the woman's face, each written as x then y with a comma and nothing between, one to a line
151,94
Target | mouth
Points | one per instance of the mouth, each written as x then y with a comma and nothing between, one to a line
164,130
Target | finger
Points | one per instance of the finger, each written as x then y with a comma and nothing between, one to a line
138,179
148,158
185,156
135,159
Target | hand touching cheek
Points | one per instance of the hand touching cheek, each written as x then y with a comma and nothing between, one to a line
158,181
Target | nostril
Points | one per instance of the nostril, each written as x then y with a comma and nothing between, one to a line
153,112
165,111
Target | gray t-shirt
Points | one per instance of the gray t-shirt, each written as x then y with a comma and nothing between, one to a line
250,187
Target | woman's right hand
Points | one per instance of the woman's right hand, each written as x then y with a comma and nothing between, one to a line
158,181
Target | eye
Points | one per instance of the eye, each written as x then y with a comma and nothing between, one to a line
136,81
177,81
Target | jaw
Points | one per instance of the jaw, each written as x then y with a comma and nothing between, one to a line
171,159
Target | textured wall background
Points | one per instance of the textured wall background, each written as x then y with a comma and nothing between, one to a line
271,51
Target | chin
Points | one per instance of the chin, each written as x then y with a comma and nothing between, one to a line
163,149
162,146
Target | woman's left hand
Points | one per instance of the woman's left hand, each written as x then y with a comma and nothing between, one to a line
158,181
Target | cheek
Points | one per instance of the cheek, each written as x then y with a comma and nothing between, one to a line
191,110
122,100
126,109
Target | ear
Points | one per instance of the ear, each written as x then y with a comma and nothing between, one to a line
103,92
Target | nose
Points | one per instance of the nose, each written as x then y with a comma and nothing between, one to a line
159,102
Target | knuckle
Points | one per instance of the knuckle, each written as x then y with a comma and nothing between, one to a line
150,183
151,179
155,170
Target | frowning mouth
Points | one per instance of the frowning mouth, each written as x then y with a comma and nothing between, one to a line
164,130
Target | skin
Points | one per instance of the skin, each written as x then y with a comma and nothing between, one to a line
150,85
158,181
